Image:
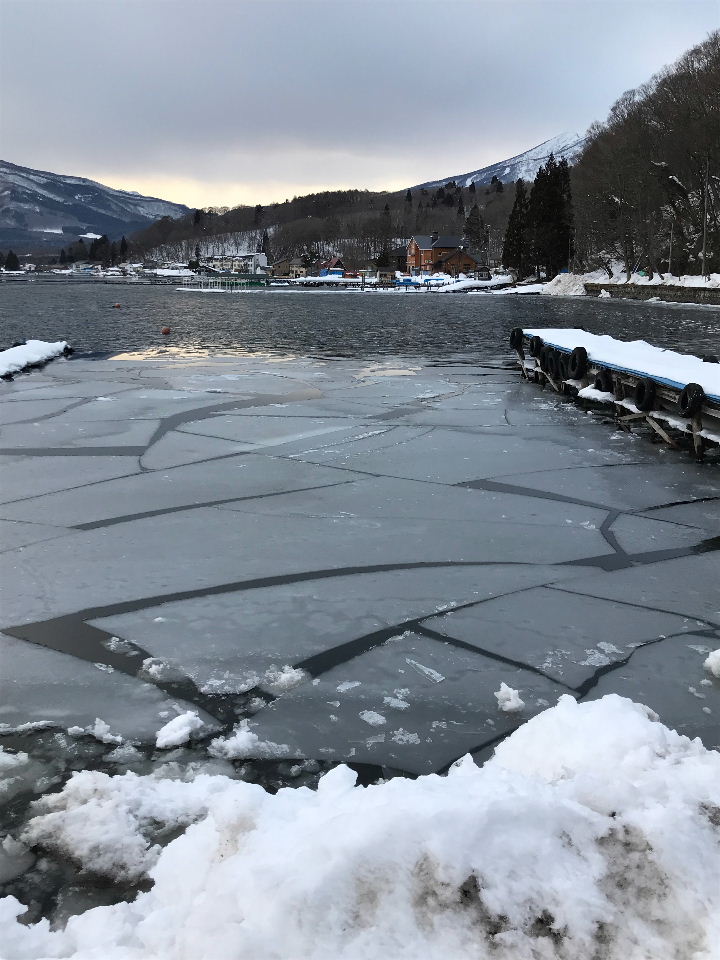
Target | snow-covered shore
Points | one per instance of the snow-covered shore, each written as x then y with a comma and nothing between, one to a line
34,351
593,831
573,284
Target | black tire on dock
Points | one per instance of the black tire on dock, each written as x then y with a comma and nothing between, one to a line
536,346
604,380
691,399
544,358
516,338
710,358
550,366
562,359
645,394
578,363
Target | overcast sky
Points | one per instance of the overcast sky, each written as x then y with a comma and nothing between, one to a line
213,102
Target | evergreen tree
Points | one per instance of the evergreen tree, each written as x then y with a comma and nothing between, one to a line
11,261
258,216
383,260
408,198
197,252
123,248
63,256
461,207
2,259
113,253
550,217
265,245
516,246
471,188
474,228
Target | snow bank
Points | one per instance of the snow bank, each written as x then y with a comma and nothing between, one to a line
573,284
637,356
34,351
593,832
460,285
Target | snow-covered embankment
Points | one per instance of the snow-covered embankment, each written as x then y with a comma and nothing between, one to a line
593,832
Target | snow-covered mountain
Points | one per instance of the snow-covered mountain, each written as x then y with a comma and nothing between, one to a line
38,208
524,165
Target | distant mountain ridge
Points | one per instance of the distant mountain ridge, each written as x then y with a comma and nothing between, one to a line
524,166
38,208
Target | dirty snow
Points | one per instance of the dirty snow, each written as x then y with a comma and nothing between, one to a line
551,850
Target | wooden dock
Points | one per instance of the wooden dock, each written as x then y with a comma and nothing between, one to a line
676,396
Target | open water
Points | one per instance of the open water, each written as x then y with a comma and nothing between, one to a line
329,324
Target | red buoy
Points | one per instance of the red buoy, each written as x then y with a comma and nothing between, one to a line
116,306
165,331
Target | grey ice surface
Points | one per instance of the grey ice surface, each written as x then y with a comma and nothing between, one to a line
408,536
37,684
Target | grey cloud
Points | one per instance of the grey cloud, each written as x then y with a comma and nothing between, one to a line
318,92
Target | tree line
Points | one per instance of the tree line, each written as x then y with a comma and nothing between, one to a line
645,191
647,185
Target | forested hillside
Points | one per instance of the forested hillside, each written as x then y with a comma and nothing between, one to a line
359,224
646,174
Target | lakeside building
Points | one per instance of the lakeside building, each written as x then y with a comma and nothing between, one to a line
436,253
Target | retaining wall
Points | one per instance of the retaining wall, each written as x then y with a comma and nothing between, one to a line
632,291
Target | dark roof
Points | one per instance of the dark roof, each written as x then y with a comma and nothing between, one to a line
449,256
333,262
448,241
424,241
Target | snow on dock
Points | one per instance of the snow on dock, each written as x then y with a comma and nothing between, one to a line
637,357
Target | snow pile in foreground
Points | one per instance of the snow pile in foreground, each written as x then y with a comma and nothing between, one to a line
637,356
34,351
593,832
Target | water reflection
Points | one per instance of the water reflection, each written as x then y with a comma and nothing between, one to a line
277,324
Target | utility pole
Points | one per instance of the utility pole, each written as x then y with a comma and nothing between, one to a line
705,216
672,224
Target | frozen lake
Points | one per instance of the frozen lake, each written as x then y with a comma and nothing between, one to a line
329,560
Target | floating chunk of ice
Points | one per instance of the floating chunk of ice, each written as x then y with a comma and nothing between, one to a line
178,730
712,663
244,744
371,717
425,671
508,699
